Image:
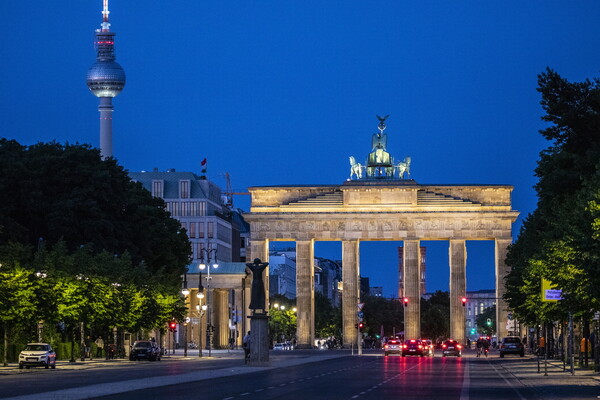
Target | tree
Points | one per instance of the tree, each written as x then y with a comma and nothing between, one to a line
69,193
559,241
379,311
435,316
488,314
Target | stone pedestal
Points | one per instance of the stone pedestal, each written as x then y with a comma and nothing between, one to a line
351,290
259,341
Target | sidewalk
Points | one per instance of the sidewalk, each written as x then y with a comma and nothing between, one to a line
558,384
101,362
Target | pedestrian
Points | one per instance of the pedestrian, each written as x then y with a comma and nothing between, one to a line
99,346
246,342
86,345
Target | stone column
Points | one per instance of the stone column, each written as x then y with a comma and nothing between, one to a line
221,304
457,254
239,304
351,290
305,293
501,270
412,289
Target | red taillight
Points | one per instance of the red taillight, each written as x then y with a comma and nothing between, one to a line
420,346
444,346
459,346
405,346
385,347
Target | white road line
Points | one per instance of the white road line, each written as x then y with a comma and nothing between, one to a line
245,394
509,384
464,392
259,390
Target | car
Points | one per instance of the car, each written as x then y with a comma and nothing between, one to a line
392,346
430,345
451,347
145,349
512,345
415,347
37,355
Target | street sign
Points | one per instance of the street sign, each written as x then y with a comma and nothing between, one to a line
195,321
597,316
509,316
360,306
360,315
510,325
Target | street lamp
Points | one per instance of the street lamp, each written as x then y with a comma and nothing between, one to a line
211,254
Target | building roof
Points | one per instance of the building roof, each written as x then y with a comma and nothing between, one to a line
225,268
198,187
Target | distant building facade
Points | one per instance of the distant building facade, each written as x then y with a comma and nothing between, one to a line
477,302
197,204
376,291
282,275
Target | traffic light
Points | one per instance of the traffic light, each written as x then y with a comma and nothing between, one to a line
489,322
361,325
406,302
472,331
172,326
464,301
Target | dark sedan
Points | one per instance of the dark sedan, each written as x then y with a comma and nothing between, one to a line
512,345
415,347
146,350
451,348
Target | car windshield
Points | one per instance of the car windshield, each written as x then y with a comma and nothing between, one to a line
37,347
141,344
450,342
512,340
393,342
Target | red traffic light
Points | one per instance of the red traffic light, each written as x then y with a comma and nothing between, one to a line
405,301
172,325
361,325
464,301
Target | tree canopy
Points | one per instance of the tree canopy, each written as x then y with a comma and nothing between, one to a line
560,240
68,193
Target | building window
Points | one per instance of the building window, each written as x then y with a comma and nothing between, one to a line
243,243
211,230
184,225
157,188
201,209
201,230
185,209
192,230
184,189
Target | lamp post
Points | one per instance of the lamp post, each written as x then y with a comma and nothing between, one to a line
185,292
211,254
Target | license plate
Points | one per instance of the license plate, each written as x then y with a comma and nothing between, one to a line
32,359
450,348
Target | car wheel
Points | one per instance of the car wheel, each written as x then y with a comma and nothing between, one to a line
20,366
522,354
54,365
47,365
443,355
27,367
459,355
501,355
386,354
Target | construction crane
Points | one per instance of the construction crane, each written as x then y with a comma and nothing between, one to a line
229,193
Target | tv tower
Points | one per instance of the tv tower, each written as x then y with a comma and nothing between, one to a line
105,79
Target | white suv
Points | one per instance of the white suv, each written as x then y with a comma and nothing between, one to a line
37,354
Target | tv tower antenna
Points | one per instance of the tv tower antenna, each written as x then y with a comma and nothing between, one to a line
105,79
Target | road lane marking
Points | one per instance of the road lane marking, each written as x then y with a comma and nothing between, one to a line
464,392
508,383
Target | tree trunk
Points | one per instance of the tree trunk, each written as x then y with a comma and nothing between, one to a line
5,352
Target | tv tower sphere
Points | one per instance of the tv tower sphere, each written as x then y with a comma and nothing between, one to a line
106,78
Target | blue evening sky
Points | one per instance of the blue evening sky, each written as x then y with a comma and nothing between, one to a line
282,92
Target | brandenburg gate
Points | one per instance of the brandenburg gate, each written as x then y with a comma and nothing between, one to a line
382,205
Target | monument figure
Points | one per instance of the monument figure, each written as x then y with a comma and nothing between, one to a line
257,295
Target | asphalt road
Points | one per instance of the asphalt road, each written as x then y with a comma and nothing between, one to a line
367,377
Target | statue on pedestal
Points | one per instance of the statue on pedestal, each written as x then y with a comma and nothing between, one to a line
257,295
